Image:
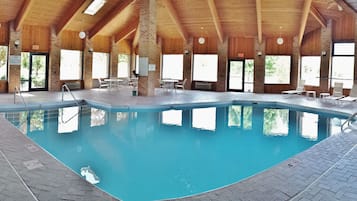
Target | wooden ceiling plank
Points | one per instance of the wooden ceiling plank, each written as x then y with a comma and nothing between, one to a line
126,33
173,14
345,6
68,15
305,14
216,21
258,4
317,15
24,11
109,17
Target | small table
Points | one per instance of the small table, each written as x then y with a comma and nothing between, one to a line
113,81
169,83
311,94
324,95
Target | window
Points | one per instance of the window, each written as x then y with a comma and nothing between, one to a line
3,62
205,67
204,118
277,69
310,70
343,64
25,71
123,65
249,75
276,122
172,117
100,68
172,66
71,65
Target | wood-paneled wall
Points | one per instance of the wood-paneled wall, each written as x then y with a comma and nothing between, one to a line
209,47
344,28
101,44
172,46
239,45
272,48
35,35
71,41
4,33
124,47
311,44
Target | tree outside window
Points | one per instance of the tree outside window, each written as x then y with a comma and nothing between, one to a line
3,62
277,69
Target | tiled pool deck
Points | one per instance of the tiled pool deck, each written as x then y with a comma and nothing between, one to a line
327,171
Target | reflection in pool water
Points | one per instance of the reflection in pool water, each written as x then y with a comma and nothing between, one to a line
148,155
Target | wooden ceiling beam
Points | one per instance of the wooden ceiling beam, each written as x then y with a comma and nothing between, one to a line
216,21
174,16
345,6
136,37
305,14
68,15
21,16
109,17
123,34
258,5
317,15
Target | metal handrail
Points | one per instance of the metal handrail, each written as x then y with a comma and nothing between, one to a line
18,92
65,87
348,122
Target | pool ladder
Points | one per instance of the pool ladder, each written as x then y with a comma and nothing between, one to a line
349,123
66,88
18,92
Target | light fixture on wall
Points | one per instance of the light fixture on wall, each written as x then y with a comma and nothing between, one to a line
17,43
280,39
201,39
323,53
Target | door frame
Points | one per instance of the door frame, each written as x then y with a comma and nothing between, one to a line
243,75
46,74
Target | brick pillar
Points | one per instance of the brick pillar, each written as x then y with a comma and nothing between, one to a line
295,67
87,63
326,41
157,72
113,67
14,69
355,67
222,65
259,66
187,62
54,64
148,47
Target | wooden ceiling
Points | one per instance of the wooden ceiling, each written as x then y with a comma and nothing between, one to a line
181,18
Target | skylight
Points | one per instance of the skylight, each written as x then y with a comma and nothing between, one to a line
94,7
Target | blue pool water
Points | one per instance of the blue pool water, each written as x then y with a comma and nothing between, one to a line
151,155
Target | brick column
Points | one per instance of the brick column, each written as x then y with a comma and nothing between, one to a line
259,66
87,63
54,64
355,39
295,67
14,69
326,42
148,47
113,67
187,62
222,65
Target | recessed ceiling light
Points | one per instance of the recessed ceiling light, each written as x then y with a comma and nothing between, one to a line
94,7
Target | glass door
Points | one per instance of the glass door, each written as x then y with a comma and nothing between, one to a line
38,72
236,75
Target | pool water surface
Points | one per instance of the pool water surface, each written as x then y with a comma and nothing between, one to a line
153,155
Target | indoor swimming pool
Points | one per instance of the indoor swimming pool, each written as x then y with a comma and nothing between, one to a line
162,154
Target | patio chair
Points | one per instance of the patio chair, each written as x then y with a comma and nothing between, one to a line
102,84
181,85
353,94
299,89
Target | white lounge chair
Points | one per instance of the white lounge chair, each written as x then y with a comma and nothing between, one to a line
102,84
337,92
353,94
299,89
